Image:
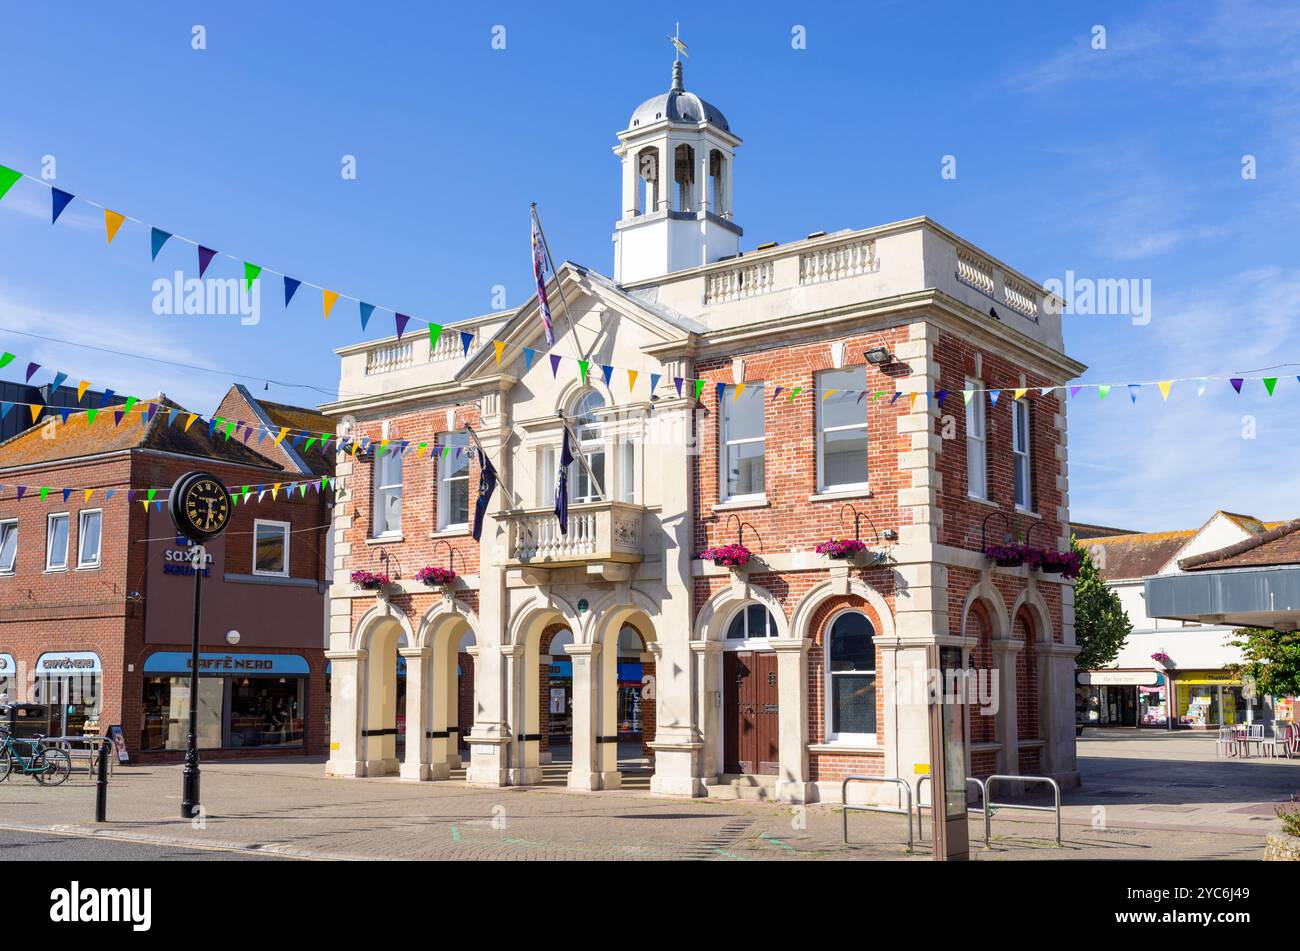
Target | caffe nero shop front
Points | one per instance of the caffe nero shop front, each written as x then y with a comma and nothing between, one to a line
246,701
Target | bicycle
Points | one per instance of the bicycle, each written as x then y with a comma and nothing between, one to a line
50,766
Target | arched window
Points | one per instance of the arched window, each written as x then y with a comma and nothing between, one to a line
752,622
717,184
587,429
684,176
851,678
647,170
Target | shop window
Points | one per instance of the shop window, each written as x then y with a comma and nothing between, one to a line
743,441
8,546
166,708
453,482
56,542
752,622
842,430
89,525
265,711
851,679
271,548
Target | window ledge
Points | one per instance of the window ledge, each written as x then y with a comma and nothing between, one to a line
56,571
385,539
736,504
835,746
862,492
87,567
983,501
1028,513
453,531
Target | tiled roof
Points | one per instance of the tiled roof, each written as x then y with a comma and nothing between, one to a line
1136,556
307,420
78,437
1279,545
1083,530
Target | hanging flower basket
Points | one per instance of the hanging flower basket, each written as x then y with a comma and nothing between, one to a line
1067,564
435,577
727,556
370,580
1163,659
1007,556
841,549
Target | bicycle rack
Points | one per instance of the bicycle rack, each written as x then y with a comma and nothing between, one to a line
989,806
920,826
844,800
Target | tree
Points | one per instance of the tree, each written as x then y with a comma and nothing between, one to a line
1272,659
1101,625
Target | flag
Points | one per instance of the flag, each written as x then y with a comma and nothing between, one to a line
205,258
58,201
487,483
562,485
112,221
539,277
291,286
157,238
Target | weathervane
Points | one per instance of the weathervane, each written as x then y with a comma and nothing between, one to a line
679,45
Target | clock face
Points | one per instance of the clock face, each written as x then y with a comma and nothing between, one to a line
202,507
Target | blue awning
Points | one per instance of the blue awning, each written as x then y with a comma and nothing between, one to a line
233,665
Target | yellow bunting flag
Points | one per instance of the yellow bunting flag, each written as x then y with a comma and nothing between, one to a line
500,348
740,388
328,300
277,442
81,389
631,379
1164,388
112,221
274,489
829,393
36,410
88,493
1016,394
912,397
190,420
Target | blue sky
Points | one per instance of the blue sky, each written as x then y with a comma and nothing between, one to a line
1116,163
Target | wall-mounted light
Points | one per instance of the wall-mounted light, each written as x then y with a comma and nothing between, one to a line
878,356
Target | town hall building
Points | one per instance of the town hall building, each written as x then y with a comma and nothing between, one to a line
847,394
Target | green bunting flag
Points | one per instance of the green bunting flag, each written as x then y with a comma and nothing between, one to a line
1102,392
7,179
582,369
699,388
435,331
250,274
6,359
795,391
1269,383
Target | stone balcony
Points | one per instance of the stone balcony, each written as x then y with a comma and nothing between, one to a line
608,534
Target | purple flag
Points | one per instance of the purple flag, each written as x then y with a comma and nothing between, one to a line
539,277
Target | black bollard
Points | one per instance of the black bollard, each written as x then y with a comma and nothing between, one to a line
101,782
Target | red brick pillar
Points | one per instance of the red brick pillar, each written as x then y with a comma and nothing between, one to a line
649,701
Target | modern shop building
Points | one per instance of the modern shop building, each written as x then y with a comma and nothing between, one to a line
1178,664
830,404
96,589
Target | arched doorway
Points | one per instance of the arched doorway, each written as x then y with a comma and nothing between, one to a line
383,709
750,698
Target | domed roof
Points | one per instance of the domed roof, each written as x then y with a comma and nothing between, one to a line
678,105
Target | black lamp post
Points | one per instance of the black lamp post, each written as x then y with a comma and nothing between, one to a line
200,509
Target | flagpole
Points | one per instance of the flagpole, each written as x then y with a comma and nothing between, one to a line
514,499
582,457
551,261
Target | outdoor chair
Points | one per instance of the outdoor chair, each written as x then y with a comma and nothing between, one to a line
1226,743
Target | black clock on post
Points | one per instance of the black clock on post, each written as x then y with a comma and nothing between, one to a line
200,506
200,509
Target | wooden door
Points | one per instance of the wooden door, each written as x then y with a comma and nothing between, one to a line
751,715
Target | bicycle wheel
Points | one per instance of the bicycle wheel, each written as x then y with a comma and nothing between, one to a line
6,765
51,767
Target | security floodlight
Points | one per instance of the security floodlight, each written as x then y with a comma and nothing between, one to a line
879,356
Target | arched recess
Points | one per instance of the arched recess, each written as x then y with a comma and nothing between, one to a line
1028,728
1031,600
995,608
523,702
991,719
806,610
380,633
444,632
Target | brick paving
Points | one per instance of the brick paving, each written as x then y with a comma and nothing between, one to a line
1159,797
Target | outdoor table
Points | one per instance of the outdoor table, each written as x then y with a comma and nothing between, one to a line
92,745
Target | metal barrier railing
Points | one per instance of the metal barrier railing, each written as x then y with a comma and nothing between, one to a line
920,826
844,800
989,805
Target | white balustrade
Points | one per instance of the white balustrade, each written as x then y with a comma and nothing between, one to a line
838,261
975,272
389,357
738,283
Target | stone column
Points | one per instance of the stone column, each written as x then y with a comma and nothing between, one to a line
416,763
1007,724
584,771
605,683
792,691
1056,712
346,756
524,766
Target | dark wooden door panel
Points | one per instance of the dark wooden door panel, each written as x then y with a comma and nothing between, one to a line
767,714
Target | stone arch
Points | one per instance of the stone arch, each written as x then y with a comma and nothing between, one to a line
375,620
805,611
995,606
380,634
529,618
717,612
1032,601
